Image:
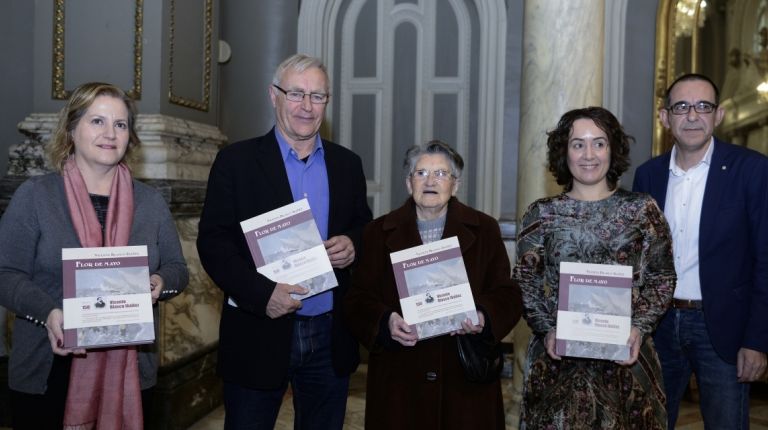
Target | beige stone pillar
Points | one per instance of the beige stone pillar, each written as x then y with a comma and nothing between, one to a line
562,70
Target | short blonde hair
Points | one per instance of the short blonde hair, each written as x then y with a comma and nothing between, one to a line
62,146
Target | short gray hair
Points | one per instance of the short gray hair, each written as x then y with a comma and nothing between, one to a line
298,63
433,147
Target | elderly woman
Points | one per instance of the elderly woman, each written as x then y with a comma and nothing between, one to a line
91,200
593,221
420,383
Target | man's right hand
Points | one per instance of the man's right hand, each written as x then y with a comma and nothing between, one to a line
281,302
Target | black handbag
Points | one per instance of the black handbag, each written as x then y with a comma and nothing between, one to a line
481,357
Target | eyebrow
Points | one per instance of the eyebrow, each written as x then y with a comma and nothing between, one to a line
100,116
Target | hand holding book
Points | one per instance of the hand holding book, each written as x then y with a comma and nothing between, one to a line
156,285
341,251
634,342
55,326
468,327
281,302
400,331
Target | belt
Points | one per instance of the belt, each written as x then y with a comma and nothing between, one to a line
686,304
298,317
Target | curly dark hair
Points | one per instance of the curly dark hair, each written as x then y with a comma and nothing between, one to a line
557,144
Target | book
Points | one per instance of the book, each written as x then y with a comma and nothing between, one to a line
594,315
286,247
433,286
107,297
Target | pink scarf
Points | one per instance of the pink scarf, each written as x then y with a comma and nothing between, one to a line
104,390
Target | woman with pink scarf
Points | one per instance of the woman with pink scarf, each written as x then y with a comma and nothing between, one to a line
91,200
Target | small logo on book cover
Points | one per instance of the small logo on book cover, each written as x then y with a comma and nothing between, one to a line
99,302
428,297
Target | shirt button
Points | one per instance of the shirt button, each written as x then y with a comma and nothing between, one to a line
431,376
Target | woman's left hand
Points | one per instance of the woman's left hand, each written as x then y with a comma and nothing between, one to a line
634,342
156,286
467,327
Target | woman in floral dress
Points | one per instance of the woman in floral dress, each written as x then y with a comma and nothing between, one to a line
593,221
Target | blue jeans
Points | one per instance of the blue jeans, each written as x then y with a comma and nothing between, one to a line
683,345
319,396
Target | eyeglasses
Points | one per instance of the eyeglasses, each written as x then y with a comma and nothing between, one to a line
439,175
298,96
682,108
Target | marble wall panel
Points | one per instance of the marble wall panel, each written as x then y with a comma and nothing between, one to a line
190,321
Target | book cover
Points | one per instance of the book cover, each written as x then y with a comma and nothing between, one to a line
433,286
594,314
286,247
107,298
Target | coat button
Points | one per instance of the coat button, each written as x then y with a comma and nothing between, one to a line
431,376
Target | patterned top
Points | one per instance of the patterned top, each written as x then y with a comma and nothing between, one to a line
627,229
431,230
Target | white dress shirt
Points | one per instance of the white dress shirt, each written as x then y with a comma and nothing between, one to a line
685,194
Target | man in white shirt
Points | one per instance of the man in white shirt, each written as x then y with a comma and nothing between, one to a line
715,198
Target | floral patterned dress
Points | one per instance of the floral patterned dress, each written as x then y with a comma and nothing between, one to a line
576,393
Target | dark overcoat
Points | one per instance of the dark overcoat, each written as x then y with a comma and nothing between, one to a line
424,386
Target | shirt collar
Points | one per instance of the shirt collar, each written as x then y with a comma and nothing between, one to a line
287,151
677,171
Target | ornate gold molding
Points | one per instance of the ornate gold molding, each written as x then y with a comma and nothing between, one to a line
664,22
57,78
666,41
204,104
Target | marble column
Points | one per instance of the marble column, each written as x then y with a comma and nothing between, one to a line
562,70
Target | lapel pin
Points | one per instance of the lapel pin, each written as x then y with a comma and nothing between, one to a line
724,167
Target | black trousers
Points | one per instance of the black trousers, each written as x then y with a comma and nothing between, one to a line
43,411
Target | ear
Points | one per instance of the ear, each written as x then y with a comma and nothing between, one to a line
408,185
664,117
455,187
272,96
719,115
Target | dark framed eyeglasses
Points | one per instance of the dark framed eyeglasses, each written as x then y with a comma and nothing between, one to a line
298,96
682,108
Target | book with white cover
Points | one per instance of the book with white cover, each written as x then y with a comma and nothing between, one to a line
287,248
433,286
594,314
107,298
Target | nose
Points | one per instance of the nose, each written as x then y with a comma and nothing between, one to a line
431,179
692,115
589,152
110,132
305,103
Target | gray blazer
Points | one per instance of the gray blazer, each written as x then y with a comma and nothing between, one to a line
33,230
